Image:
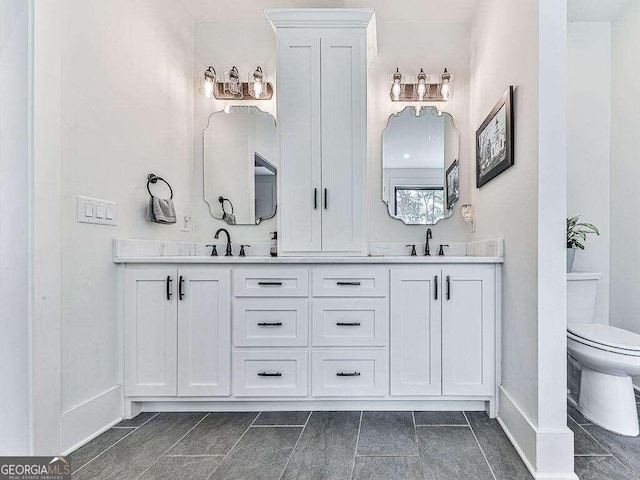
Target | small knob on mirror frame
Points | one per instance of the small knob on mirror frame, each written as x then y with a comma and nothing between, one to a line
214,250
413,250
242,252
441,251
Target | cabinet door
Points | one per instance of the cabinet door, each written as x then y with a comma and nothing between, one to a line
344,143
299,126
468,330
204,332
415,331
150,330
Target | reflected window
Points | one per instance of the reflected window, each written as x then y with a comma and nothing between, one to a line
419,204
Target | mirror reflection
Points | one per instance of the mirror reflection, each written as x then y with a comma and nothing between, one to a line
419,145
240,164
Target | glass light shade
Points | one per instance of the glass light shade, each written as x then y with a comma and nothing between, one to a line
207,82
421,88
257,84
446,89
232,84
397,88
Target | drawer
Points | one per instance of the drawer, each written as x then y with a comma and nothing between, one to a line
270,374
270,323
271,283
350,282
353,322
349,373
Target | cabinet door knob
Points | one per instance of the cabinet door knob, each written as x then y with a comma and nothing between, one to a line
315,198
325,198
180,285
448,287
168,283
436,286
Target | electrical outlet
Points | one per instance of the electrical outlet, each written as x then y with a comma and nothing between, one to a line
99,212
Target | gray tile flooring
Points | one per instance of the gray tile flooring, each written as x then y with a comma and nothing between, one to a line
600,454
315,445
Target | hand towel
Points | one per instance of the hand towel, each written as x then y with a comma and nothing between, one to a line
161,210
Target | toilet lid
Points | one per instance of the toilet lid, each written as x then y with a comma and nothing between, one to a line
606,335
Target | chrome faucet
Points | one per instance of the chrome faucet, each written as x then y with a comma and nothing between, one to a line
228,253
427,250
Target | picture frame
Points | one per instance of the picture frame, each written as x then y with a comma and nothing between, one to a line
452,180
495,141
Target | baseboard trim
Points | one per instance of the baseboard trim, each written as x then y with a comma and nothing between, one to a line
86,421
530,443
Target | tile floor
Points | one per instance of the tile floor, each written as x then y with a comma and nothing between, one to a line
334,446
301,445
600,454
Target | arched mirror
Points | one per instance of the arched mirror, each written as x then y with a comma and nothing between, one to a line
420,151
241,160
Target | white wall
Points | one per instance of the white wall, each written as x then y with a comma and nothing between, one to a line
15,227
400,44
625,171
522,44
127,110
589,144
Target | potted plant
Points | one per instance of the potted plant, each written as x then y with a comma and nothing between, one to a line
576,235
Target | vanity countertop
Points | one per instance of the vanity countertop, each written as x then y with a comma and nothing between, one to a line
306,260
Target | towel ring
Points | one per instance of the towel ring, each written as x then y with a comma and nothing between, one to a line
153,178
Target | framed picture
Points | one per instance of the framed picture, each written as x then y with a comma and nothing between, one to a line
453,184
494,141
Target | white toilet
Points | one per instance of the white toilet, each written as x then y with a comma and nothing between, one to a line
607,358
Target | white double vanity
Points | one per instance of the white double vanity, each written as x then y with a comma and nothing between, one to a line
325,325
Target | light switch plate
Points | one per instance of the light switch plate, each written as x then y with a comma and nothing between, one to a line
99,212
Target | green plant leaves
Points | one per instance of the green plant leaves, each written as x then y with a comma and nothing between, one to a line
577,232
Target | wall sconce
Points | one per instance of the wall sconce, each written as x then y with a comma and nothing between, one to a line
422,90
468,215
257,88
207,82
446,87
232,84
397,87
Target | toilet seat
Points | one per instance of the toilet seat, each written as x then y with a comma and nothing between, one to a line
605,337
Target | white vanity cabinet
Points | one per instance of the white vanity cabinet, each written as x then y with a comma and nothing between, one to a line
322,125
177,337
443,324
309,332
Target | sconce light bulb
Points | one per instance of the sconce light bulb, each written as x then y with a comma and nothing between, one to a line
208,88
446,89
396,87
422,85
257,88
422,89
395,91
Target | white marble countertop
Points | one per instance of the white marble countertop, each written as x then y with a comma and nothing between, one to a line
306,260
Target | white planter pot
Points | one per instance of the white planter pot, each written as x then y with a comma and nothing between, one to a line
571,256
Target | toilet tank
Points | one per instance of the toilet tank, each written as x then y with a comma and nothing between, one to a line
582,289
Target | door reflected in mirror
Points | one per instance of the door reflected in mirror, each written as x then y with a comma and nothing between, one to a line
240,165
418,146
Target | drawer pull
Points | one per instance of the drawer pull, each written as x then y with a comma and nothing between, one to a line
265,374
348,284
348,324
270,284
351,374
270,324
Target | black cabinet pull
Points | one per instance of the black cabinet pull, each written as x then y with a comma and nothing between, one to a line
448,287
325,198
342,374
169,287
270,284
436,286
265,374
180,284
315,198
270,324
347,284
348,324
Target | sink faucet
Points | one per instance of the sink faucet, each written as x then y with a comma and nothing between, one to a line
427,250
228,252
